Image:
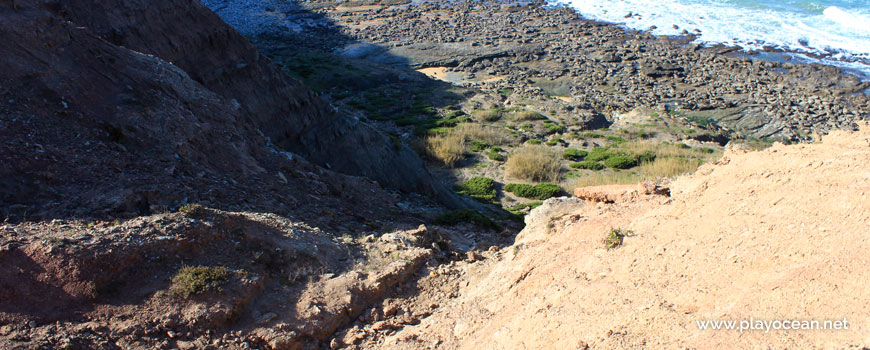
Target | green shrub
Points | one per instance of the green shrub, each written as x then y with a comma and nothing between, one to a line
615,237
554,141
574,154
478,146
615,139
192,280
480,188
599,154
620,162
588,165
539,191
645,156
553,128
534,141
454,217
496,156
522,209
191,209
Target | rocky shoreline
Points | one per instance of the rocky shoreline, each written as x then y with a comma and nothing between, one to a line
549,53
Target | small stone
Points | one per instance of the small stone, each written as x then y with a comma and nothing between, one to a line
266,318
390,310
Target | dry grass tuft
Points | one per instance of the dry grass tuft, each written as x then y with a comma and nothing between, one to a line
487,115
477,132
669,167
446,149
528,115
534,163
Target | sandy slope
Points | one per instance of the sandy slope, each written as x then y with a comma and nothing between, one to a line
776,234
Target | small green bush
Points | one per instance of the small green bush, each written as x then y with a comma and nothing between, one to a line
574,154
553,128
615,237
588,165
192,280
554,141
496,156
454,217
539,191
599,154
522,209
191,209
534,141
615,139
480,188
478,146
620,162
645,157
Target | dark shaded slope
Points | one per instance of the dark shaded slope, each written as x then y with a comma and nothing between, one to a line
136,106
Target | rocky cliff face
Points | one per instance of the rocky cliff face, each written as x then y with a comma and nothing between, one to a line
161,97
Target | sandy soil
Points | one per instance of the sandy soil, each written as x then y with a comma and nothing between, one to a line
776,234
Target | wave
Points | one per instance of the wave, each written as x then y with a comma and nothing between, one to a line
840,35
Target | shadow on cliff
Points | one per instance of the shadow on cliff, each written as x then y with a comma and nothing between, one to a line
157,103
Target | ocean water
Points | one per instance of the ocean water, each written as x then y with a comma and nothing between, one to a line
836,30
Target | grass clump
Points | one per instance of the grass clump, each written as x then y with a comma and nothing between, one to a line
574,154
539,191
534,163
588,165
191,209
525,115
490,135
192,280
445,149
472,216
615,237
480,188
534,141
621,162
488,115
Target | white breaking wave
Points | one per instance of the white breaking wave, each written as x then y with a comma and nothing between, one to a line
837,33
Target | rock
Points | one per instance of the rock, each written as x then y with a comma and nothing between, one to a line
266,318
390,310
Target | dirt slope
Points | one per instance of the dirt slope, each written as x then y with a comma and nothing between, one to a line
776,234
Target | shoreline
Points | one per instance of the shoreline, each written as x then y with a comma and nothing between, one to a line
857,63
604,67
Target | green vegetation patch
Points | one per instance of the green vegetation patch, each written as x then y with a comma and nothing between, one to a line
615,237
621,162
574,154
192,209
600,153
192,280
539,191
480,188
588,165
472,216
522,209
